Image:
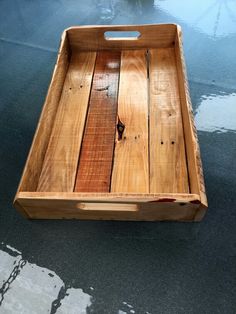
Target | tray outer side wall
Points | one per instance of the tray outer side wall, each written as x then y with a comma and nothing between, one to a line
102,206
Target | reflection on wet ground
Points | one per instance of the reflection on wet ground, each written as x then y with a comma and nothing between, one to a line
45,291
108,267
214,18
217,113
27,288
31,289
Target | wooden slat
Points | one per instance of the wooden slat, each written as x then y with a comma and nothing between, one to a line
130,169
60,163
168,171
95,163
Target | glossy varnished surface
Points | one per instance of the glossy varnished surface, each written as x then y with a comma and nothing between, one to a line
143,267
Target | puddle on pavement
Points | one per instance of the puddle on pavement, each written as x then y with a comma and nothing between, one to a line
26,288
217,113
215,18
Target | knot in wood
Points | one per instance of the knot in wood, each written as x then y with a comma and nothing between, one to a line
120,128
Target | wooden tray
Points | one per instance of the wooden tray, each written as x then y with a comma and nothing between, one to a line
116,137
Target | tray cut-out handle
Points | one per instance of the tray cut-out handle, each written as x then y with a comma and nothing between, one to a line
122,35
108,207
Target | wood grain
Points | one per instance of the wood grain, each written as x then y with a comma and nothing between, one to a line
92,38
130,198
196,179
33,166
108,206
111,197
168,170
95,163
130,168
60,163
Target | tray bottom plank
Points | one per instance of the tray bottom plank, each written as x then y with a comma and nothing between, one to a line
61,158
131,165
168,167
95,162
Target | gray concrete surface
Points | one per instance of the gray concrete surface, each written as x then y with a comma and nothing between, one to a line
119,267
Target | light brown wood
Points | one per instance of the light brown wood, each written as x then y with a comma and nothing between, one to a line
130,165
33,166
92,38
73,205
161,212
95,162
112,197
168,171
196,179
131,198
60,163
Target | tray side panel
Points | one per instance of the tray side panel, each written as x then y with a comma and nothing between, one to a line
95,162
132,207
33,166
192,147
60,163
168,171
92,37
131,165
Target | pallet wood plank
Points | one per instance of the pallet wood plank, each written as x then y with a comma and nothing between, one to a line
130,169
168,170
60,163
95,163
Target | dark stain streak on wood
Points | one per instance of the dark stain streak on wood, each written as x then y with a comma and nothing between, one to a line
102,88
195,202
167,200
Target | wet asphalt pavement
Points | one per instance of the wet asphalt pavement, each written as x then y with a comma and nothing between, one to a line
121,267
